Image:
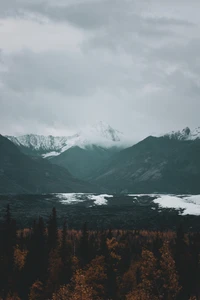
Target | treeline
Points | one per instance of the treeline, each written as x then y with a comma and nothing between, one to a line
46,262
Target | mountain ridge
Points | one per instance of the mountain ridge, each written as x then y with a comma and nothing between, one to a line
101,134
184,135
156,164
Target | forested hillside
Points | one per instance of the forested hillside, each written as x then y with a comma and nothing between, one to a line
46,262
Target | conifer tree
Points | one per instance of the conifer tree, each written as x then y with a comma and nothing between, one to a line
84,246
66,271
8,243
52,231
168,274
37,258
182,262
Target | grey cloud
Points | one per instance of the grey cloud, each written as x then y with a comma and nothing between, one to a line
67,73
164,21
135,69
77,12
89,14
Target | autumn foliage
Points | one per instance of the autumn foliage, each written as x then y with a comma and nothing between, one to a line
50,263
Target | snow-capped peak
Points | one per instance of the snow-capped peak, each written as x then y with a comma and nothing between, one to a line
185,135
100,134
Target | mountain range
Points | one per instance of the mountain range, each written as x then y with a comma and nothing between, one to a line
100,158
100,134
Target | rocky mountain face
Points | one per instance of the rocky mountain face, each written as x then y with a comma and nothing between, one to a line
164,165
100,134
39,145
20,173
185,135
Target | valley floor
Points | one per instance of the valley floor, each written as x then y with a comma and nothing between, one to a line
152,212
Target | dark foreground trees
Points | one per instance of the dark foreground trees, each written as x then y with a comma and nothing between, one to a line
46,262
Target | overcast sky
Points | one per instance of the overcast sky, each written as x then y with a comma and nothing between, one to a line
65,64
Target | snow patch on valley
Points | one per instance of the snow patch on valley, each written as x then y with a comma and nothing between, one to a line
73,198
100,199
190,204
141,195
70,198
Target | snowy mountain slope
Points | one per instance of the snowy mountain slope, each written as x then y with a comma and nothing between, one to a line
185,135
100,134
39,142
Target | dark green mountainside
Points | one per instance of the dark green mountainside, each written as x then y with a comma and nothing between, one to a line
82,163
161,165
20,173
